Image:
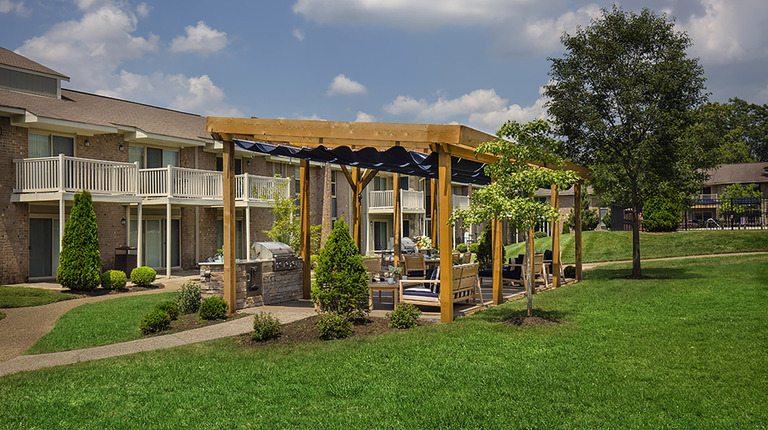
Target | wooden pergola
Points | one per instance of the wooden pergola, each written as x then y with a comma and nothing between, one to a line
448,141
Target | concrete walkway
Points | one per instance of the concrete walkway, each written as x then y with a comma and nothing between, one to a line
289,312
23,327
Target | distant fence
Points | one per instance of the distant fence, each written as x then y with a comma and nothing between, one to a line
743,213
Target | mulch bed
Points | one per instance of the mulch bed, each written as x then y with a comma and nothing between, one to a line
304,331
193,321
130,288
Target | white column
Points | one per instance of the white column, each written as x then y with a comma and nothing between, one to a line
62,219
247,197
139,238
168,239
127,225
197,223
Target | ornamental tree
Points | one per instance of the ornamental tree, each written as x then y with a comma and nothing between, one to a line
621,96
510,197
341,282
287,226
80,261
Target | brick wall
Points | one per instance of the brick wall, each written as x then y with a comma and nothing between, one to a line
111,231
102,147
14,217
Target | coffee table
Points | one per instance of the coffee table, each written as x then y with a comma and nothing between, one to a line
383,286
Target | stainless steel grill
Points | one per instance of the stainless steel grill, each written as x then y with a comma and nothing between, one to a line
283,256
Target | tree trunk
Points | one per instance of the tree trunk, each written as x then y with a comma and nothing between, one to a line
636,273
528,272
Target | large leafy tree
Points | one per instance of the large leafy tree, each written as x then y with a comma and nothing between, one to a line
621,96
733,132
80,260
510,197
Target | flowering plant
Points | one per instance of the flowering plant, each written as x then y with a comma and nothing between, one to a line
424,242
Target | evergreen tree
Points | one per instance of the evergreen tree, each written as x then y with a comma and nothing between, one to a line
341,283
80,261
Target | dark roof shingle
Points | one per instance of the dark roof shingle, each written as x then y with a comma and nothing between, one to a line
10,58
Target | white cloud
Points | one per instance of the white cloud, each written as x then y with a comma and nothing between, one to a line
313,117
298,34
729,31
7,6
545,33
143,10
93,49
200,39
343,85
482,109
364,117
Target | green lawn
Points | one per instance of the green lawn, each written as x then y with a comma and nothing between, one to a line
100,323
684,350
20,297
617,246
2,315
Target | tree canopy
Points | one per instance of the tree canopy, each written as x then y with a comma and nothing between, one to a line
621,95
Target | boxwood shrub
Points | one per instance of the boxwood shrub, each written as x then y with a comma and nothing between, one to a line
170,307
265,327
155,321
143,276
405,315
113,280
213,308
189,298
333,325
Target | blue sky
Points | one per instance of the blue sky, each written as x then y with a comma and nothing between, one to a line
474,62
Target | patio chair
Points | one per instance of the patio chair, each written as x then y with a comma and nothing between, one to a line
466,286
466,257
548,265
415,266
373,268
511,274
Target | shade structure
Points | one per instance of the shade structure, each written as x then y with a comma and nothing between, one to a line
395,159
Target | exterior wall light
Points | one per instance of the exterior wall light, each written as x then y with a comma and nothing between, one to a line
121,147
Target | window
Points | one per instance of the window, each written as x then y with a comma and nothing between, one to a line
706,190
297,181
44,145
380,184
238,165
404,183
334,210
152,158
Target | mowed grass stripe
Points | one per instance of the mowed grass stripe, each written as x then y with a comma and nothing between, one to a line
683,350
100,323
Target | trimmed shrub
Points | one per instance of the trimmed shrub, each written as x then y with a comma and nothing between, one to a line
566,229
265,327
213,308
404,316
80,261
569,272
333,325
155,321
485,248
462,247
114,280
189,298
473,247
662,212
341,282
539,234
143,276
170,307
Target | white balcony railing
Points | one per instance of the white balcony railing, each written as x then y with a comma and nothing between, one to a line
63,173
383,200
71,174
460,202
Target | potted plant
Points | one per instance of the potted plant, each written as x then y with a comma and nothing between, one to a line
396,273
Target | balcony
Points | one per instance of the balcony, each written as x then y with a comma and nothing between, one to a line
48,178
383,201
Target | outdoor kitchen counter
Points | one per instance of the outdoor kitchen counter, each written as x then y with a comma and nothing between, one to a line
256,282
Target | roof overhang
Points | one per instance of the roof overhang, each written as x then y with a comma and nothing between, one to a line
29,120
136,135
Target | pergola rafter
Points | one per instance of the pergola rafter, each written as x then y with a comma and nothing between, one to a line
447,141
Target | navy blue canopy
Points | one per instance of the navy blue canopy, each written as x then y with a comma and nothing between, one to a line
395,159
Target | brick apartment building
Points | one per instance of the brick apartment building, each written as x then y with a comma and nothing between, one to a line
154,174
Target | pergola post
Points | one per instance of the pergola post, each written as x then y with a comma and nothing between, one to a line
398,219
433,206
556,239
577,226
306,278
498,258
229,225
444,235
